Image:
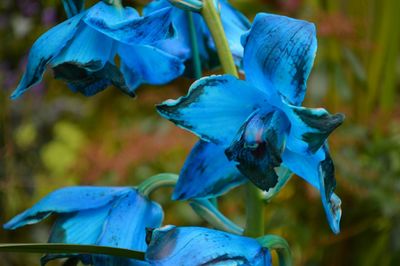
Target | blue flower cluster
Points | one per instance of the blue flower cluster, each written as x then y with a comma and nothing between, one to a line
249,129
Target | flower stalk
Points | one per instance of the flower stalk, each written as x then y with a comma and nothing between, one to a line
214,24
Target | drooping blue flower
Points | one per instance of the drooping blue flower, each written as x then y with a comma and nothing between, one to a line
82,50
104,216
234,24
187,246
259,123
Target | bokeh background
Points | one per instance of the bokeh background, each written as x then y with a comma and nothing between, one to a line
52,138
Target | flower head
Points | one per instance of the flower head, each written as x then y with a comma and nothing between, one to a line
81,50
104,216
259,123
183,246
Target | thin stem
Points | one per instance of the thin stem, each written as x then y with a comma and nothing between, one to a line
254,211
156,182
195,47
72,249
209,212
214,24
280,245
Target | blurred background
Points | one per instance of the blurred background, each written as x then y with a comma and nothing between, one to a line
52,138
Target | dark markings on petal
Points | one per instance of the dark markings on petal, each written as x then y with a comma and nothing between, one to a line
324,124
328,172
173,111
258,148
90,83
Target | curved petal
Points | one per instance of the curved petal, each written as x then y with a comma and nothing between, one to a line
214,108
185,246
206,173
66,200
90,83
48,46
258,147
73,7
310,127
278,55
147,64
319,171
127,222
89,48
127,28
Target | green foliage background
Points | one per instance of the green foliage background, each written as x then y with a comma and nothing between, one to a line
52,138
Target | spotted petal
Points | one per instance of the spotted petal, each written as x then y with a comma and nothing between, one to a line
147,64
214,108
278,55
258,147
319,171
128,28
66,200
206,173
47,47
186,246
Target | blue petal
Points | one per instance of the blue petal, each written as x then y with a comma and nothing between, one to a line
82,227
259,146
172,245
206,173
48,46
73,7
310,127
147,64
130,29
127,222
126,225
89,48
66,200
178,46
215,107
319,171
278,55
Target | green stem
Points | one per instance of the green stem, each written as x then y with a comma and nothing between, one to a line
195,47
214,24
280,245
157,181
71,249
254,211
205,209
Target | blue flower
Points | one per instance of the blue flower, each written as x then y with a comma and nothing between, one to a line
183,246
259,123
104,216
82,49
234,23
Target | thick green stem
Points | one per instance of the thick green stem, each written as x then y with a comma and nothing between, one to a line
254,211
71,249
195,47
214,24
